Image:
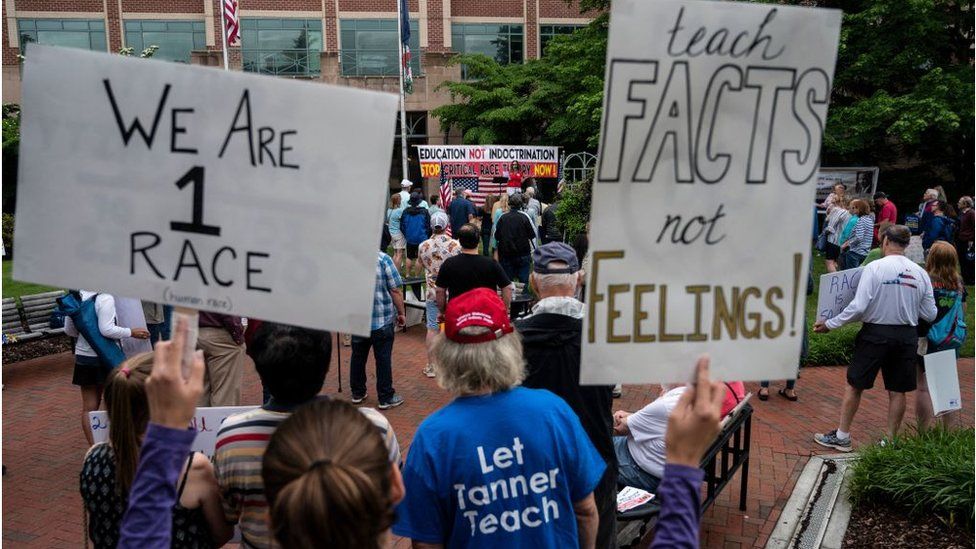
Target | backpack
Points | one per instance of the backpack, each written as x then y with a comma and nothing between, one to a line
85,319
949,332
414,224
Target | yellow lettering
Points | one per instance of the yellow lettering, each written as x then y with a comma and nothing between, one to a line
722,314
640,315
767,327
754,330
613,313
697,291
662,328
595,296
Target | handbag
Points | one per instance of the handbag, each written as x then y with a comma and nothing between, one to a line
85,319
822,240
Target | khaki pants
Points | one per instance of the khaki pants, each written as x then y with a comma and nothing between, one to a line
225,368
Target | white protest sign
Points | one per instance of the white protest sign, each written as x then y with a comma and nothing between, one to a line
713,119
206,422
128,313
836,292
209,189
942,378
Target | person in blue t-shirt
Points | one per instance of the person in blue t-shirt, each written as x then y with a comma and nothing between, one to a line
501,465
462,211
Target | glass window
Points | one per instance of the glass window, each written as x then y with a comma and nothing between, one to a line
87,34
283,47
176,39
503,43
369,47
546,32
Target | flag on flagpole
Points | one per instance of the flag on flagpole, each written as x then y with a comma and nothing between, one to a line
405,43
232,23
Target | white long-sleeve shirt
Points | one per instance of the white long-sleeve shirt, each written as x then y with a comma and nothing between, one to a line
647,427
105,309
893,290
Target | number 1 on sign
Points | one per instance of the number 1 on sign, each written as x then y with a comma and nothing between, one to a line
195,176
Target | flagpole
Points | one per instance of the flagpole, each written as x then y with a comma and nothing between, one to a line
403,110
223,34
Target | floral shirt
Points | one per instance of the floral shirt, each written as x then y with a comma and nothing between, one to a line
433,252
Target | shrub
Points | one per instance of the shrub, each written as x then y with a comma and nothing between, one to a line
573,212
8,232
930,473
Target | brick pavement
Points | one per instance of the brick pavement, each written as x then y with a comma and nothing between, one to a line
43,448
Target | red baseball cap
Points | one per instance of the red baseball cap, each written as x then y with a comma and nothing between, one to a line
478,307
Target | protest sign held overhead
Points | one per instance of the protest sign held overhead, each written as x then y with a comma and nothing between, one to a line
837,290
206,189
206,424
712,125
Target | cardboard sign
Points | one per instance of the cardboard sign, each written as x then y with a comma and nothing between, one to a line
836,292
206,422
208,189
713,120
486,161
942,377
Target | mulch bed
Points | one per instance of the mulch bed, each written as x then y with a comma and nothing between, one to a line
874,525
37,348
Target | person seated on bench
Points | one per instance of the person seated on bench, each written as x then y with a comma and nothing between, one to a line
639,441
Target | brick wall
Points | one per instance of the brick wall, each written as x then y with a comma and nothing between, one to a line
167,6
480,8
59,5
560,8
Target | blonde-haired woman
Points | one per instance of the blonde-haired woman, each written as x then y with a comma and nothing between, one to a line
942,264
512,463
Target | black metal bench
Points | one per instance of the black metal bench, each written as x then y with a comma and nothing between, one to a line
728,454
28,317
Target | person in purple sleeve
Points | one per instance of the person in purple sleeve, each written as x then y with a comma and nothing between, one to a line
148,520
692,427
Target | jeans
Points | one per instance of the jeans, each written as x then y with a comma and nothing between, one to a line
851,260
517,267
381,341
486,244
166,328
155,333
628,472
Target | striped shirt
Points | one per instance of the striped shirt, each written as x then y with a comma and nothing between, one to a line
239,450
861,235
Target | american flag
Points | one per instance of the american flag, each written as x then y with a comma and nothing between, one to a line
480,188
232,23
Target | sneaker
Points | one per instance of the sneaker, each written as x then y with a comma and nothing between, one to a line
830,440
394,401
429,371
358,399
618,391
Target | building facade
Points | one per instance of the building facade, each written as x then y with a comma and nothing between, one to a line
344,42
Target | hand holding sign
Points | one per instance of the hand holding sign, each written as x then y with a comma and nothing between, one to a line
173,398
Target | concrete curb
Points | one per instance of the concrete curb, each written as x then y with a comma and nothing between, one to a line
797,506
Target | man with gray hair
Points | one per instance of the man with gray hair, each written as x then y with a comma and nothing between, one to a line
500,465
551,338
892,294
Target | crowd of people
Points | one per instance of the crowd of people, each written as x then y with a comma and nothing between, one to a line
523,454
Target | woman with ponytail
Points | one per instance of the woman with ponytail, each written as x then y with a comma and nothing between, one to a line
329,480
110,467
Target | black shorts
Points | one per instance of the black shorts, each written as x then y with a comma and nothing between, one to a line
832,251
89,370
412,250
891,349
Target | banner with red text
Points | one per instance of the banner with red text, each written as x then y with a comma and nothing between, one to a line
486,161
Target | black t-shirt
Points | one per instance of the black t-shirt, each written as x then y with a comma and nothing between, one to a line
514,234
465,272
